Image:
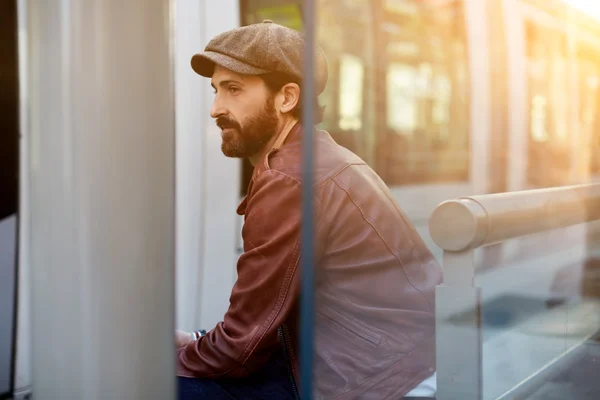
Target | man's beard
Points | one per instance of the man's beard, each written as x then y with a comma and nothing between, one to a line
245,142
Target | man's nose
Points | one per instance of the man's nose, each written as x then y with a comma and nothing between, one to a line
217,108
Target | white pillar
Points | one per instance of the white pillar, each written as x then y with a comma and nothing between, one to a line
221,187
207,181
518,96
518,100
480,112
101,163
23,362
190,101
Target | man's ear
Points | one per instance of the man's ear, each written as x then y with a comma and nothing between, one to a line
291,97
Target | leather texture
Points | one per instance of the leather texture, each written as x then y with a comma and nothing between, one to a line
375,281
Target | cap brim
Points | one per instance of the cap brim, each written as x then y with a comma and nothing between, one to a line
204,64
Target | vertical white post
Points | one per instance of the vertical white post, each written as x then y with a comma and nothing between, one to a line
480,113
517,96
191,105
23,367
458,330
101,165
518,100
207,181
221,190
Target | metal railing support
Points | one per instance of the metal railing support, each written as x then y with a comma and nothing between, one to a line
459,227
458,346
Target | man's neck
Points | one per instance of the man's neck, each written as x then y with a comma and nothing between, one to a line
284,130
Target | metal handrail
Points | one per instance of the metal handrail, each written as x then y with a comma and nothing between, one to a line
472,222
459,227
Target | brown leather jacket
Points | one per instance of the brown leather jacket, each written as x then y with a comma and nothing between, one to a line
375,280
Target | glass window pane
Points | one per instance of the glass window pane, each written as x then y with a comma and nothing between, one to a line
352,72
345,31
423,133
548,69
287,13
397,94
588,62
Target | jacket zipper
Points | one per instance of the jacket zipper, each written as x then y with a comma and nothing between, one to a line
283,337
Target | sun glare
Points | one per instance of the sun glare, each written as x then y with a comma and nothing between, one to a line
590,7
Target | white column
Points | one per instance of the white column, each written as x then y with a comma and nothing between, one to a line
518,95
207,181
518,100
101,164
190,102
23,364
221,180
480,102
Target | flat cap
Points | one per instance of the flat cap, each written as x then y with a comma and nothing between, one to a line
260,49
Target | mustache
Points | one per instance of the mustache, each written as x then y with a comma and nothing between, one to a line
224,122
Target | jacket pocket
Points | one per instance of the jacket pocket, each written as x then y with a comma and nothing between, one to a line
350,326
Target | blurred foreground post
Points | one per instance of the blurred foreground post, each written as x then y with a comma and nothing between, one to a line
100,150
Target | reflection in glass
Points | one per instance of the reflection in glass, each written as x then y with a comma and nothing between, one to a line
549,154
425,138
398,85
345,32
351,92
588,61
401,110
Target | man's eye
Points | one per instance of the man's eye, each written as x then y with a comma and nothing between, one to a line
233,89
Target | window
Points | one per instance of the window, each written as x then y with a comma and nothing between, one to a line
284,12
423,118
345,31
589,102
547,68
397,94
352,72
287,13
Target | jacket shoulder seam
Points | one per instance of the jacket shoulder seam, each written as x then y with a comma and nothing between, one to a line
367,220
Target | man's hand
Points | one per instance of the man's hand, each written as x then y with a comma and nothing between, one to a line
182,338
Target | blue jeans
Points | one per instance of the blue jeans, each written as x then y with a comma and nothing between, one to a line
273,381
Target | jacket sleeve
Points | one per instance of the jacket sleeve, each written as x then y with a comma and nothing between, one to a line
266,289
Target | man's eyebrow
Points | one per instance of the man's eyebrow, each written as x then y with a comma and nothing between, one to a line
227,82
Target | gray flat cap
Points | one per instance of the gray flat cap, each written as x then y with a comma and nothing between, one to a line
260,49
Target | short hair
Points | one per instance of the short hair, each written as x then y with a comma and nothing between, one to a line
275,81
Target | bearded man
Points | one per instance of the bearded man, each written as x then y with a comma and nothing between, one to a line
375,278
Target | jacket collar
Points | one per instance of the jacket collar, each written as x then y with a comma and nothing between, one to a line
291,136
